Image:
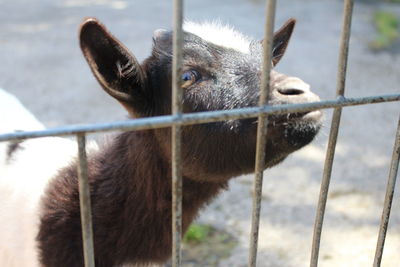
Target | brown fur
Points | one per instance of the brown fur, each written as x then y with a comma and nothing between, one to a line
131,206
130,180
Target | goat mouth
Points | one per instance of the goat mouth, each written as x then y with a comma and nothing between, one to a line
297,129
301,130
314,116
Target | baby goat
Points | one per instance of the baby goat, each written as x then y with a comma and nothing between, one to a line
130,178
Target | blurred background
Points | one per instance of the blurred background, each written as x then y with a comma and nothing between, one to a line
42,65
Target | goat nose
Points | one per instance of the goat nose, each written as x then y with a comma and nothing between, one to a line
292,87
295,90
290,91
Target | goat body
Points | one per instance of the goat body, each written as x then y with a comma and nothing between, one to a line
130,178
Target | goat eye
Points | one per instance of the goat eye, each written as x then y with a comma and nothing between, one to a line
190,77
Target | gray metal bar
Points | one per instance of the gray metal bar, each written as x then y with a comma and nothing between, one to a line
261,130
177,43
84,200
394,167
199,117
330,153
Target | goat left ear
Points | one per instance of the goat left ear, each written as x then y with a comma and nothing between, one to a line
281,40
115,68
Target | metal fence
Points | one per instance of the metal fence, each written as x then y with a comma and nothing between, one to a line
178,119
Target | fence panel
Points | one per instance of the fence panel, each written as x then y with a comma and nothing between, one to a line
178,119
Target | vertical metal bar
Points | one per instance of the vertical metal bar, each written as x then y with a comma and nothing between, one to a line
394,166
262,130
84,200
341,81
176,134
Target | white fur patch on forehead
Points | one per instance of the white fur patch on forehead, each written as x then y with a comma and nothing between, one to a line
220,34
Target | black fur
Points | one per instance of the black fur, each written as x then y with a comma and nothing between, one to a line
130,180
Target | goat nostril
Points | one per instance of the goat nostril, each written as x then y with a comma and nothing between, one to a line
290,91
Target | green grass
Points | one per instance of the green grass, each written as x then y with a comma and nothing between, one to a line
387,25
197,233
205,245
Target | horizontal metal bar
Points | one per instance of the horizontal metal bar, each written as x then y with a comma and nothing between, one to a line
199,117
394,167
84,201
261,130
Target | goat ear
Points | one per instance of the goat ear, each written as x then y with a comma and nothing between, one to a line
281,40
116,69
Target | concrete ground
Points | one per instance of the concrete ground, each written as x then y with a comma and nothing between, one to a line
41,64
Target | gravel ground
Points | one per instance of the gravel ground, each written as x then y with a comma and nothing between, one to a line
42,65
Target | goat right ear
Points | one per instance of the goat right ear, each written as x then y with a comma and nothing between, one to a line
281,40
115,68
